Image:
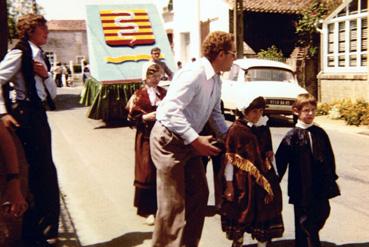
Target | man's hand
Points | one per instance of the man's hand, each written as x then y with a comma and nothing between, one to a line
9,121
203,146
40,70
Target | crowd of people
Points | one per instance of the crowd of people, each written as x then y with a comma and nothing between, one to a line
187,128
176,133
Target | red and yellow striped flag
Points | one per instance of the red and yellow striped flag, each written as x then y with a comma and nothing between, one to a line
127,27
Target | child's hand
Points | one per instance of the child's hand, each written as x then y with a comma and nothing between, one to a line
270,156
229,191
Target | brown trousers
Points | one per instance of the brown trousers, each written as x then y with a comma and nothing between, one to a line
182,190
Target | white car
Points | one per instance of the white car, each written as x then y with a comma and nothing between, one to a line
275,81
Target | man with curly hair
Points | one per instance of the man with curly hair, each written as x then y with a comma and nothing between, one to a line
176,147
27,68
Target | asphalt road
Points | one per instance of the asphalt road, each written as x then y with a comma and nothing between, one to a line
95,168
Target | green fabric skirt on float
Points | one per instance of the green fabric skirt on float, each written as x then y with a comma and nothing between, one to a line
107,101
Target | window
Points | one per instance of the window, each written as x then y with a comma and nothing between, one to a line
269,74
345,38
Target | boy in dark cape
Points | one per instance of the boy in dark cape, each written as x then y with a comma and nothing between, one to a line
307,151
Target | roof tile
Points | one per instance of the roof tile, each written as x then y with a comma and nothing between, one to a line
66,25
276,6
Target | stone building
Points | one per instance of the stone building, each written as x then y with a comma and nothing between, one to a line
344,72
67,41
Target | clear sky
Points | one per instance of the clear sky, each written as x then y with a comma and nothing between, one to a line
75,9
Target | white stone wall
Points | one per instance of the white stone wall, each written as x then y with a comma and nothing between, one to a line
186,25
343,86
67,45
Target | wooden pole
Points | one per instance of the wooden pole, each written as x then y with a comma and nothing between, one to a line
238,26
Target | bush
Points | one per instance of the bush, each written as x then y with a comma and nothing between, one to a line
354,113
323,109
271,53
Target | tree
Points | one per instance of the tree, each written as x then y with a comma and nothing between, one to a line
17,8
307,26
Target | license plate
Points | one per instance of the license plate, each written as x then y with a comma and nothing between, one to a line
279,102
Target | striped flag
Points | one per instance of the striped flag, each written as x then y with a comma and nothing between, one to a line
127,27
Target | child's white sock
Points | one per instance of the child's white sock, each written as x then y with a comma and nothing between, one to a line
262,244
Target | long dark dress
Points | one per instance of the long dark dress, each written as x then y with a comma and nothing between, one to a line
145,171
257,206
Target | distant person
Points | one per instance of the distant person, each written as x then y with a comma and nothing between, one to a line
85,73
155,57
27,67
176,147
193,59
252,192
58,73
179,64
308,153
142,110
67,74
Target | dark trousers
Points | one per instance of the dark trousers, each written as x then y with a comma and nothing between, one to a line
309,221
217,176
42,217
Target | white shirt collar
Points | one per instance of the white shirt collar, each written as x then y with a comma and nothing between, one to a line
35,49
303,125
262,121
209,70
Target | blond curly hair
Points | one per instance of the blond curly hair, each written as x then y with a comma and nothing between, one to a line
27,24
216,42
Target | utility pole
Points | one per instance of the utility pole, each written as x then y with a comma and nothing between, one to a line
3,29
238,26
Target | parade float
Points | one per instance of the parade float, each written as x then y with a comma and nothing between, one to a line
120,38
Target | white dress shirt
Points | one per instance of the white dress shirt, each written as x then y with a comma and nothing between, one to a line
192,99
11,71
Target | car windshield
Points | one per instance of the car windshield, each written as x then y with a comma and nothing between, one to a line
268,74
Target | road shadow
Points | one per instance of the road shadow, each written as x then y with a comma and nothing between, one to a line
115,124
67,101
291,243
127,240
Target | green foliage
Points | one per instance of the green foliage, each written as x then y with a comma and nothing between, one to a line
354,113
323,109
271,53
17,8
306,27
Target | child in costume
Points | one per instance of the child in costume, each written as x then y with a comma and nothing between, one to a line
307,151
253,201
